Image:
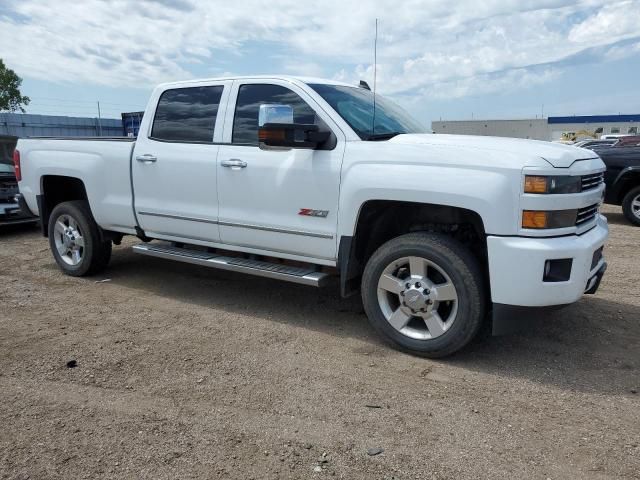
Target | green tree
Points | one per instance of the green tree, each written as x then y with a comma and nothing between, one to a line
10,97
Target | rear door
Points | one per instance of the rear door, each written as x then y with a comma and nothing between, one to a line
174,163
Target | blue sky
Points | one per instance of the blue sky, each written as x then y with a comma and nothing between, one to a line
451,60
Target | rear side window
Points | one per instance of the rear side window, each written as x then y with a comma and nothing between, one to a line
250,97
187,114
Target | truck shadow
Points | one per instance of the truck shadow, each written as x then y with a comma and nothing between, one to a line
617,218
12,229
592,346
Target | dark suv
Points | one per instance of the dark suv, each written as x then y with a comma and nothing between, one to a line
623,178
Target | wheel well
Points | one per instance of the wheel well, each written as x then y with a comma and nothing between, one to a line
628,182
57,189
381,220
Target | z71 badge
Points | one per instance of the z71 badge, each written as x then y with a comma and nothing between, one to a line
310,212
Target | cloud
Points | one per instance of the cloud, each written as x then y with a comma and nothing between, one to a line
615,22
426,48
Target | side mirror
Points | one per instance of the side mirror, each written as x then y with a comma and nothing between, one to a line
276,129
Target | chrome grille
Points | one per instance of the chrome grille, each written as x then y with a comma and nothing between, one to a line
591,181
586,214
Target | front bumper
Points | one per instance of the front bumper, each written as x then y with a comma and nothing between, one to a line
516,267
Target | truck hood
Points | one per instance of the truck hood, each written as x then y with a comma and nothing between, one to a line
557,154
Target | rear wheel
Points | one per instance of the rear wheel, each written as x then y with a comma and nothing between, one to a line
424,292
75,240
631,206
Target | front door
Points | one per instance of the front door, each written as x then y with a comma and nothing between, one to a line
280,200
174,164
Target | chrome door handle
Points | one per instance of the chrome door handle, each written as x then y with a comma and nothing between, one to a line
147,158
234,164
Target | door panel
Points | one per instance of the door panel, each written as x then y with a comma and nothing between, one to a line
261,202
174,164
176,195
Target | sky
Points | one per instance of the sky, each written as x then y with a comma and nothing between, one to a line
439,59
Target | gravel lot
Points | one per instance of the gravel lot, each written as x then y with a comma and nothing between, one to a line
186,372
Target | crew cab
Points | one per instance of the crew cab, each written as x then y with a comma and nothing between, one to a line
306,180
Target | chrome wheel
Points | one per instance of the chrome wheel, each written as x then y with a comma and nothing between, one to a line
417,297
635,206
69,240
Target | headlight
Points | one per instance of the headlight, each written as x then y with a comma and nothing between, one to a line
552,184
549,219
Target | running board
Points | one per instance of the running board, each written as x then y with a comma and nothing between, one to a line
303,275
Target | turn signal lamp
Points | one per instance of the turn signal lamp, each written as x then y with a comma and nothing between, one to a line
538,219
534,219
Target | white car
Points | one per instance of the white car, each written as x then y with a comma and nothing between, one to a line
303,180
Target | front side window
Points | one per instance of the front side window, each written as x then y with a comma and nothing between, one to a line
355,105
251,96
187,114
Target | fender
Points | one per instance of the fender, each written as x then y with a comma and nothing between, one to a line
488,193
483,180
613,191
624,172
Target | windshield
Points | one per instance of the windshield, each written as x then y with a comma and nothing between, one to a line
4,168
355,106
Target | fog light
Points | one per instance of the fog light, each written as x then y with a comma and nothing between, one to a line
558,270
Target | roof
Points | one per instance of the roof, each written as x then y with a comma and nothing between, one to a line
595,119
290,78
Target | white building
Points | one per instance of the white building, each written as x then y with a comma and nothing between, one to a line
551,128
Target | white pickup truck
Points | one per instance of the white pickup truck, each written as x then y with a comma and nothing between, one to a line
303,180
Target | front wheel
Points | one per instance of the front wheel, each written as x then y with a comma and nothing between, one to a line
424,292
631,206
75,240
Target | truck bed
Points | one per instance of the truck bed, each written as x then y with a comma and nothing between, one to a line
102,164
94,139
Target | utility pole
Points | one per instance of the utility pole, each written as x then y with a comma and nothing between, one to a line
99,121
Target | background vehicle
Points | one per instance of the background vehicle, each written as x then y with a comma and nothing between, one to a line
10,211
615,136
591,144
622,178
303,180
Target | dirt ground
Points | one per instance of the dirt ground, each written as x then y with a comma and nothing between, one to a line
186,372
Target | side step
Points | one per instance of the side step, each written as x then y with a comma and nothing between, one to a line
303,275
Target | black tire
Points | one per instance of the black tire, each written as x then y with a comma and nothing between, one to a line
627,206
465,274
95,253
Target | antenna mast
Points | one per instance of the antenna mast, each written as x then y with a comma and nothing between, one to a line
375,67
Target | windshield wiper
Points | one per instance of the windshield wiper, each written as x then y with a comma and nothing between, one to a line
382,136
